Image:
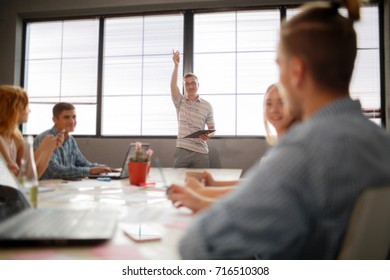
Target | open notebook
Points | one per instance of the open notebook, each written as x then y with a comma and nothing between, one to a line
21,225
123,173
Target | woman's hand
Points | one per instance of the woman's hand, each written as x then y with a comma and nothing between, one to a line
182,196
208,179
13,167
194,184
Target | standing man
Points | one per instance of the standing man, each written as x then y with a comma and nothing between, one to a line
67,162
193,113
297,203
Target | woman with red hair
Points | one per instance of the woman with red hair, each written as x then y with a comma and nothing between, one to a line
14,110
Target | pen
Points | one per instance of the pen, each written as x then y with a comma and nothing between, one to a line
162,174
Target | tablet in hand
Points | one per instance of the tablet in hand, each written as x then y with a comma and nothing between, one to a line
199,133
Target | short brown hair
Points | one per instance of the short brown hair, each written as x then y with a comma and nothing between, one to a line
189,75
325,41
60,107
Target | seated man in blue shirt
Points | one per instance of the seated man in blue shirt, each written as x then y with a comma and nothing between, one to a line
296,204
67,162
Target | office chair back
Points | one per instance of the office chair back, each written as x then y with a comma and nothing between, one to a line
368,233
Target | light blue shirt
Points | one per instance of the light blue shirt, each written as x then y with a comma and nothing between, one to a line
67,161
296,204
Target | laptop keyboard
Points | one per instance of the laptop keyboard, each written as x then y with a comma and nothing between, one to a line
61,225
57,223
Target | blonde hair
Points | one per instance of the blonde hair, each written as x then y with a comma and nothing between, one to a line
13,103
271,138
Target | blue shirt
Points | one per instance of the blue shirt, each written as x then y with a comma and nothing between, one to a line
67,161
296,204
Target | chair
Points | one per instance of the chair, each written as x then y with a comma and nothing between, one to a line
368,233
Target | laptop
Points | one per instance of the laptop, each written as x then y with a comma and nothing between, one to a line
22,225
124,172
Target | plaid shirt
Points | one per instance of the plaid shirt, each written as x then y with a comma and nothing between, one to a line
66,161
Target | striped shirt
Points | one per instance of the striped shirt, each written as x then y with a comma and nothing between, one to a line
192,116
296,204
66,161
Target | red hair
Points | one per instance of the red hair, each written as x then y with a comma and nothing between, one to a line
13,103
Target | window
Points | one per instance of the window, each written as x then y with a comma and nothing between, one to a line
61,66
234,59
136,75
233,56
365,84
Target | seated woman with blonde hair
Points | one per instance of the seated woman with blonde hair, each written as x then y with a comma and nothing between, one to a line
14,111
195,195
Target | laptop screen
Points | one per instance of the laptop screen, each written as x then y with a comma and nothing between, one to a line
130,152
124,169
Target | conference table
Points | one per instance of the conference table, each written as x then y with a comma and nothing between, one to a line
139,209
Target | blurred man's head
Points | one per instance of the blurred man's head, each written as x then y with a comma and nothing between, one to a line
317,46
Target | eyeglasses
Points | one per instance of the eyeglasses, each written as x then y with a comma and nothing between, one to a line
190,84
